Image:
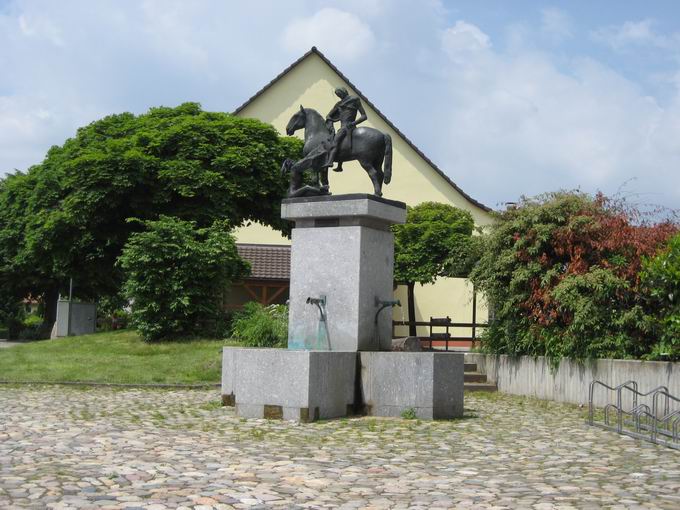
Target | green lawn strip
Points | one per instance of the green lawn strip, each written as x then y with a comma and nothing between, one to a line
114,357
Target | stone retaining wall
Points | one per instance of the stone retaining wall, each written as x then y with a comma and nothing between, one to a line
524,375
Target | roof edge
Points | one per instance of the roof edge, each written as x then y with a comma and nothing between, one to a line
265,245
387,121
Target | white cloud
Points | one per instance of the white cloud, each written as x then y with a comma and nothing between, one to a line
341,34
26,126
500,117
41,27
556,24
464,41
528,126
74,62
636,34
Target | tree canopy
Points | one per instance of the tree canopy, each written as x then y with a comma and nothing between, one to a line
67,216
436,240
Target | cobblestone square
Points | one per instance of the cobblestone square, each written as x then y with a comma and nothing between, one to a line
103,448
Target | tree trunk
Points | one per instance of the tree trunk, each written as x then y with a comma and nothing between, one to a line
51,298
411,309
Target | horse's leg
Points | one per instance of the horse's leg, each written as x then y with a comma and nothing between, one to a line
376,178
377,164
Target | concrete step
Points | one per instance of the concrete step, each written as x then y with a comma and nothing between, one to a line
470,367
480,386
475,377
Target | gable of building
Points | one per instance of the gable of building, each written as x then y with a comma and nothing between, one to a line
310,82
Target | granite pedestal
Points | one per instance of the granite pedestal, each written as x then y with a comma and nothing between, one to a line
342,253
430,383
291,385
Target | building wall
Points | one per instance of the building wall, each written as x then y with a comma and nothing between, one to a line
311,84
450,297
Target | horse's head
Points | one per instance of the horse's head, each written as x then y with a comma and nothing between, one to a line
296,122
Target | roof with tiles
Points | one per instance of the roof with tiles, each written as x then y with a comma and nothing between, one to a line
267,262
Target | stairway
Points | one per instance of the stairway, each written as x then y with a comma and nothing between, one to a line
476,381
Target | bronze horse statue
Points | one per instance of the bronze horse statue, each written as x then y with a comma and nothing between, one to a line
370,147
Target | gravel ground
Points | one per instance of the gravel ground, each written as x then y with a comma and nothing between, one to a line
103,448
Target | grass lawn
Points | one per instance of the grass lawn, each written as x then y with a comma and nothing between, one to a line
114,357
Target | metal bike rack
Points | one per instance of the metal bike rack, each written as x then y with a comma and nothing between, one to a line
641,421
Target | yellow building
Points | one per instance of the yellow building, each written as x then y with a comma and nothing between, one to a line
310,81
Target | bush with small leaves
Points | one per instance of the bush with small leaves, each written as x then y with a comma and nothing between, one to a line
261,326
175,275
661,278
562,274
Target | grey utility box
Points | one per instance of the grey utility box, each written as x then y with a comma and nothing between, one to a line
83,318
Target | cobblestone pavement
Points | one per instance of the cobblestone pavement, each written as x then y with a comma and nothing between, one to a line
132,449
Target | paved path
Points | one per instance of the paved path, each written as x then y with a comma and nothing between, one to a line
7,343
103,448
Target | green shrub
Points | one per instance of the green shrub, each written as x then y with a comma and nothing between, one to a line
661,278
260,326
12,314
175,277
562,275
32,321
31,328
111,313
118,319
34,332
409,414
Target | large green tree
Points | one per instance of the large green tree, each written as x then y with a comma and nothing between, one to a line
436,240
66,217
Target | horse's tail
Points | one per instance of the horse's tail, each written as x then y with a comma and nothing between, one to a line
387,166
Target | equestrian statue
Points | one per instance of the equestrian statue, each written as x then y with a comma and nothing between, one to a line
323,146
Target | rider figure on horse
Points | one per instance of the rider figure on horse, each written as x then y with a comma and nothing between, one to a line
344,111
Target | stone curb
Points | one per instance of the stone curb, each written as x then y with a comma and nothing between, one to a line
113,385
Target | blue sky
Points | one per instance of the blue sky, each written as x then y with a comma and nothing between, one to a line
508,98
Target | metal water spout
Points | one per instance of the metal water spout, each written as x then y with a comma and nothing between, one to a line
382,304
320,303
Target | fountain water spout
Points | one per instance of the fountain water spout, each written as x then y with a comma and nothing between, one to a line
382,304
320,303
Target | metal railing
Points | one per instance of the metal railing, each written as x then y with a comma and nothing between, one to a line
656,423
443,338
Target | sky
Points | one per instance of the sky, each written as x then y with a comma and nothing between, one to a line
509,98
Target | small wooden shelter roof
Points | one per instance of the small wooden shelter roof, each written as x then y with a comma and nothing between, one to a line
267,261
